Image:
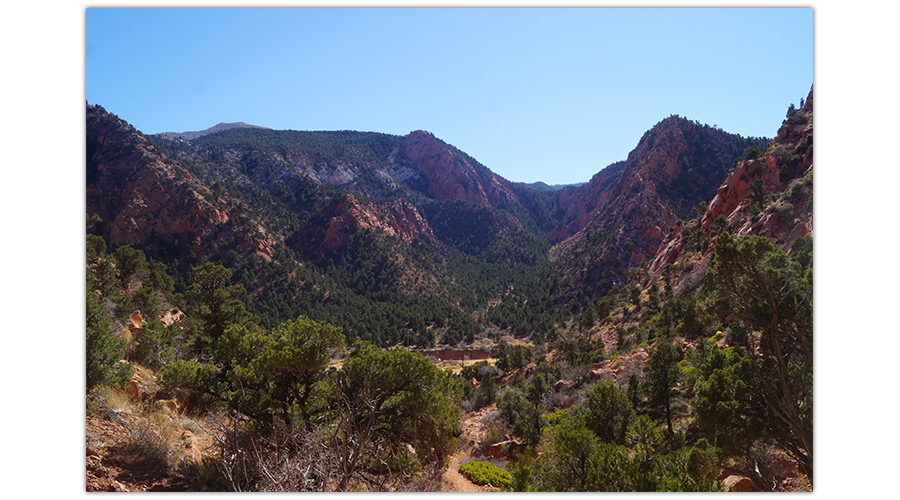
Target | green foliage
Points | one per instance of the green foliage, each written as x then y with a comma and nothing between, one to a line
587,319
752,153
216,305
770,295
790,168
405,393
634,391
198,383
514,356
582,350
128,261
524,410
572,458
662,377
690,469
520,470
487,376
104,350
757,192
568,461
645,436
608,411
152,346
690,325
752,209
483,473
285,365
727,405
802,251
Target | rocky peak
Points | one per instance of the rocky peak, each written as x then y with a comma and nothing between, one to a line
785,170
659,152
619,219
450,175
143,196
215,128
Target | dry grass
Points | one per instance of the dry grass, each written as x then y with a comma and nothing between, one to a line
149,435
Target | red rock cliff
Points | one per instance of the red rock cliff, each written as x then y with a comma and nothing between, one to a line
140,196
451,176
346,216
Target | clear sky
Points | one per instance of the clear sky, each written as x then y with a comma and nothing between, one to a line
534,94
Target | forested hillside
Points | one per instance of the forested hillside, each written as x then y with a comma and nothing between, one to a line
264,297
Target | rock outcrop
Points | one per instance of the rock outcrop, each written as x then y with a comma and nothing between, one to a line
739,483
142,196
785,170
620,218
346,216
450,175
581,203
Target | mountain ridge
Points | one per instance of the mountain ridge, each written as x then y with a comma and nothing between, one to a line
307,194
211,130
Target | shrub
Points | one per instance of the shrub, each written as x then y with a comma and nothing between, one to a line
148,449
482,473
752,153
751,209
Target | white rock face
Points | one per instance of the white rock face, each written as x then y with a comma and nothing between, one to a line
403,171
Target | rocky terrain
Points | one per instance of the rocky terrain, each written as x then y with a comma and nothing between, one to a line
407,241
619,219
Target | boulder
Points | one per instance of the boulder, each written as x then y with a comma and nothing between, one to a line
190,446
135,322
496,449
133,388
783,469
563,385
170,316
739,483
169,405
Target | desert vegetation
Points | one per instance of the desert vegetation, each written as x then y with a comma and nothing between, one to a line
271,344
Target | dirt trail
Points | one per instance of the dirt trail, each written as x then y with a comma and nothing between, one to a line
454,481
473,432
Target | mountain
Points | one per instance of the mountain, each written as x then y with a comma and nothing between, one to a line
336,226
670,297
784,170
144,197
211,130
310,208
618,219
543,186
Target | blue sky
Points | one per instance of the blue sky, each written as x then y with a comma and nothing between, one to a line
534,94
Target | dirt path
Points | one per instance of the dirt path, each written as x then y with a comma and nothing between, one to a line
473,432
454,481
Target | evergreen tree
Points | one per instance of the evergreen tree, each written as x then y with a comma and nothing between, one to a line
770,295
104,350
662,377
608,411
